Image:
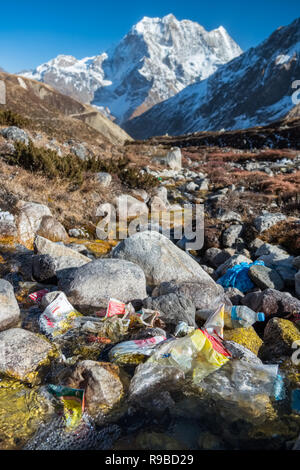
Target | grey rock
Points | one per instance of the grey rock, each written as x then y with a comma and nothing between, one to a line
267,220
208,270
228,216
104,179
276,258
8,229
265,278
15,134
9,308
103,388
231,234
160,259
92,285
203,185
266,249
129,204
45,268
21,353
53,230
162,193
47,299
234,295
43,246
297,284
78,233
191,186
272,302
204,296
173,308
29,218
255,244
80,151
142,195
210,255
173,159
157,205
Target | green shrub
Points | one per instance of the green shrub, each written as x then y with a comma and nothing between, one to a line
114,166
9,118
46,161
71,167
133,178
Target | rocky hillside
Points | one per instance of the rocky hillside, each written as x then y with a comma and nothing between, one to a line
277,135
158,58
253,89
58,115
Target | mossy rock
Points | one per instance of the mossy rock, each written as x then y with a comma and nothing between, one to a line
279,337
247,337
291,372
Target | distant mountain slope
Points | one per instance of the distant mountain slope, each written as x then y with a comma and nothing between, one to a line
50,110
253,89
157,58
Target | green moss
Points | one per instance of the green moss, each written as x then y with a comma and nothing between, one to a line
246,337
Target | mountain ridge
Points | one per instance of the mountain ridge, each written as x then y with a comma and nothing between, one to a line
156,59
252,89
48,108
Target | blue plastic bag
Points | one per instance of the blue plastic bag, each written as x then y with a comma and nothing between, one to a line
237,276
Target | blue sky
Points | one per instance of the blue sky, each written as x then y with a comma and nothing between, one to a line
33,32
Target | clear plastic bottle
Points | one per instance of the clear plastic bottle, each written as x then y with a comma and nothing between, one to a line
240,316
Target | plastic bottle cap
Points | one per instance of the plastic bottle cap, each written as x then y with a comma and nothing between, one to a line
261,316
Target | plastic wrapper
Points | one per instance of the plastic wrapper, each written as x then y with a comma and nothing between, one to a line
245,385
183,329
215,323
134,352
197,354
151,379
73,403
115,307
59,317
146,317
37,296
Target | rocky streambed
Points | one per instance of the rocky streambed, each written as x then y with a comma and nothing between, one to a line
141,362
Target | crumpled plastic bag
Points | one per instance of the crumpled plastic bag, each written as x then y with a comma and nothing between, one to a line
59,317
237,276
73,403
198,354
134,352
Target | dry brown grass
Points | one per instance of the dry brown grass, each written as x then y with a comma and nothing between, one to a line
285,233
71,207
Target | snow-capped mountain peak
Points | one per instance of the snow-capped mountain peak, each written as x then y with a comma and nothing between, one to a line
154,61
254,89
